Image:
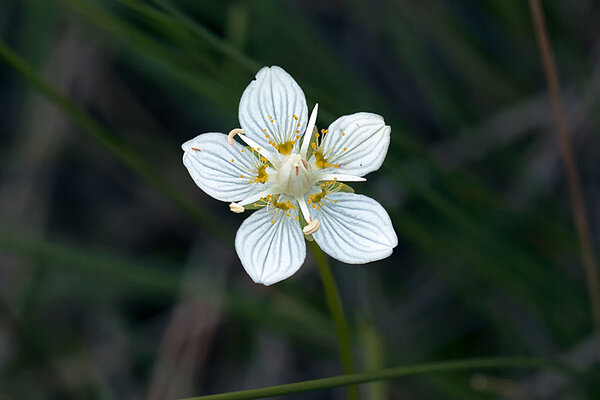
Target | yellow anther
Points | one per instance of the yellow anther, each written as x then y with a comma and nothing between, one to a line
232,133
343,134
345,148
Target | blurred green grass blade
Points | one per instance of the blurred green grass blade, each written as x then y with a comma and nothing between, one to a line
159,21
528,274
469,268
157,31
174,63
462,52
288,315
114,268
126,154
225,48
233,53
441,208
139,165
386,374
373,350
471,225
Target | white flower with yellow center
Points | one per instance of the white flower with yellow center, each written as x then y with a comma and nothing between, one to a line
293,175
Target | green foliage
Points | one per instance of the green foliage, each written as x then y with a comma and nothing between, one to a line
488,261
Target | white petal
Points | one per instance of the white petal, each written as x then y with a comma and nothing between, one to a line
273,96
365,138
270,252
355,230
208,157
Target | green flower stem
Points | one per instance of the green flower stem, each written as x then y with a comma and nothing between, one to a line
389,373
337,312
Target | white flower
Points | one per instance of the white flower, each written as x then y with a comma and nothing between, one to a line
293,175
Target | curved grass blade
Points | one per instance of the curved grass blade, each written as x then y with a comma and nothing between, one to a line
385,374
107,138
287,315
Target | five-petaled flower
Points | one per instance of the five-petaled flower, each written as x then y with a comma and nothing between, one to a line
293,175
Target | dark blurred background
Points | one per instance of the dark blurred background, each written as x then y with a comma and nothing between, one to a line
115,282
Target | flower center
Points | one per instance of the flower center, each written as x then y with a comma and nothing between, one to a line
294,176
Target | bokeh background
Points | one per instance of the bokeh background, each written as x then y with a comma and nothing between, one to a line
118,277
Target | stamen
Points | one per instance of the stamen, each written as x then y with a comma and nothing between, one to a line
312,227
308,132
303,208
236,208
258,196
340,177
232,133
263,152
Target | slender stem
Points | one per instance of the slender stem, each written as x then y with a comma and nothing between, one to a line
384,374
570,164
337,312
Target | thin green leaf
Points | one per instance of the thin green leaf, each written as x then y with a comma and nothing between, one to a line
111,141
385,374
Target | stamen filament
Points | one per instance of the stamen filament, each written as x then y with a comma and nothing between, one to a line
303,208
232,133
258,196
340,177
263,152
308,132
